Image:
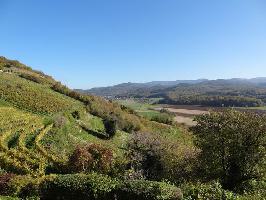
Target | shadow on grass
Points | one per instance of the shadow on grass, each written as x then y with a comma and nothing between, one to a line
99,135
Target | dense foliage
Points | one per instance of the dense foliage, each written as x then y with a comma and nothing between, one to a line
232,146
94,186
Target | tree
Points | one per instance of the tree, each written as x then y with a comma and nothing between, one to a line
110,126
232,145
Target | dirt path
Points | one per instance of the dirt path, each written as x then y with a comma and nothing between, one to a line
186,111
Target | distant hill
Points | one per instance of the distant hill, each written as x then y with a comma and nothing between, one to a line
133,88
220,92
127,89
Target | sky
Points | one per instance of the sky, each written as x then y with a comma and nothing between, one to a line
92,43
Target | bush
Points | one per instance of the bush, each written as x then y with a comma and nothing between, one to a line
77,186
75,114
24,186
110,126
164,118
31,77
59,121
202,191
180,164
253,187
4,183
232,146
101,187
149,190
144,153
91,157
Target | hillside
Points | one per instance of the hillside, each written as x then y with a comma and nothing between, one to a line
44,125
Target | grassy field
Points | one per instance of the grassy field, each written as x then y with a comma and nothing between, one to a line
145,109
258,108
184,114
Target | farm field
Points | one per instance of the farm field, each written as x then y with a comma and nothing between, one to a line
183,114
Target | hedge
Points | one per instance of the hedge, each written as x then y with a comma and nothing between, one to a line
102,187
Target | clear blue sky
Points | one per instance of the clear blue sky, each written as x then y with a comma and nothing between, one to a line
88,43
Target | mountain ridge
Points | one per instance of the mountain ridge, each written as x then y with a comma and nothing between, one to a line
128,89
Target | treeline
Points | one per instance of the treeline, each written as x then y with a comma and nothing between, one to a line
215,101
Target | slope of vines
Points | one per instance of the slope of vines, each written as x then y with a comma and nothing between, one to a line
34,97
15,157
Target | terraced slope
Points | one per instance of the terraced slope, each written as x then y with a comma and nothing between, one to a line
15,155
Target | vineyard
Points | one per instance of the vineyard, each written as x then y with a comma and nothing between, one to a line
34,97
20,149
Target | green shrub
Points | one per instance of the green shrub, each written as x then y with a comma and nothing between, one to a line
253,187
101,187
110,126
24,186
79,187
201,191
31,77
91,157
8,198
149,190
75,114
144,152
164,118
2,171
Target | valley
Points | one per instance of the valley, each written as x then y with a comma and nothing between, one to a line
133,100
59,143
